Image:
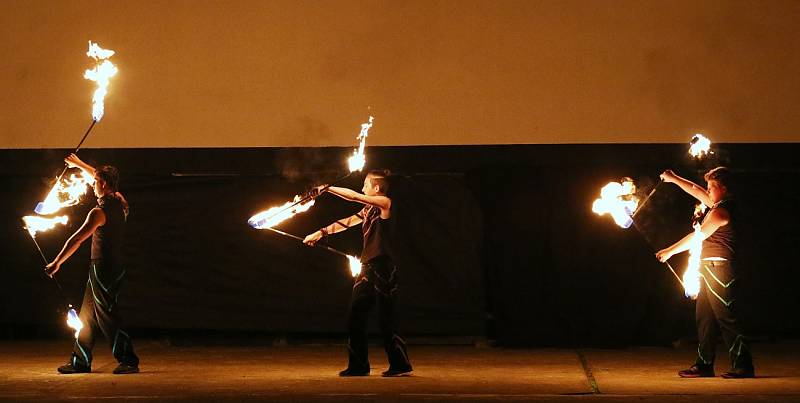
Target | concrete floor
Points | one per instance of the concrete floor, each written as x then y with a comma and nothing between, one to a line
442,373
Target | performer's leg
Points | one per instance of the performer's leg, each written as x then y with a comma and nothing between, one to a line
720,277
106,283
361,301
707,328
386,292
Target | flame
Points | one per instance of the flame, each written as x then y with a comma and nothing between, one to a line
276,215
618,200
74,321
355,265
691,277
357,161
36,224
64,193
699,146
99,74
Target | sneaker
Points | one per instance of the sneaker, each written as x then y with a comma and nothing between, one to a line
696,371
739,373
392,372
354,372
69,369
126,369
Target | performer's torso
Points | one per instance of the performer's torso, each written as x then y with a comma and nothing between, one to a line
375,234
722,243
107,239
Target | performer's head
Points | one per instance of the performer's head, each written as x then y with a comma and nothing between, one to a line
106,180
720,183
376,183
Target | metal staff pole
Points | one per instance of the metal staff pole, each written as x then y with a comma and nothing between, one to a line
646,239
46,262
78,147
328,248
646,199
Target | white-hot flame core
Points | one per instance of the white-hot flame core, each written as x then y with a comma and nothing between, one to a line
618,200
66,192
357,161
691,277
74,322
99,74
700,146
36,224
355,265
276,215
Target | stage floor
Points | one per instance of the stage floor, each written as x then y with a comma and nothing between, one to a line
304,373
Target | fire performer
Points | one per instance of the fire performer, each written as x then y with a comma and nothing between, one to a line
377,282
106,225
716,301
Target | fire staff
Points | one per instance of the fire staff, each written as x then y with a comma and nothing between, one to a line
716,307
99,310
377,282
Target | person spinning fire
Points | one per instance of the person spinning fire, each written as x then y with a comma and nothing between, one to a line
106,225
377,282
716,302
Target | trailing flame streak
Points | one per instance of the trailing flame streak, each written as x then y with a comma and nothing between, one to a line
357,161
74,321
355,265
691,277
618,200
36,224
700,146
64,193
275,215
99,74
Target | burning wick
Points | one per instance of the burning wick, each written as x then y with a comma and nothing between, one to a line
699,146
275,215
357,161
100,74
73,321
355,265
619,201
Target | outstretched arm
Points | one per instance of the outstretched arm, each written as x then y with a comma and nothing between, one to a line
381,202
336,226
715,219
695,190
95,219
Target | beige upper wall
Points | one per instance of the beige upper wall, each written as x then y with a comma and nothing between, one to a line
307,73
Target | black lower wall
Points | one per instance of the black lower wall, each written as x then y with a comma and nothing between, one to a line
497,241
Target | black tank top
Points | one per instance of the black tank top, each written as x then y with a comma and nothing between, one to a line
375,234
107,239
722,243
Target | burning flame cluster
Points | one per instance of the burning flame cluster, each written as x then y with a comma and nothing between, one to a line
691,277
74,321
66,192
355,265
357,161
276,215
619,200
101,73
699,146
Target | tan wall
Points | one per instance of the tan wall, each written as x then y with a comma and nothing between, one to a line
307,73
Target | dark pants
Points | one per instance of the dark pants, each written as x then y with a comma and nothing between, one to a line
99,311
716,312
377,283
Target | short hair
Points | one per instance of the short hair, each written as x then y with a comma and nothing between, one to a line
380,178
722,175
109,175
